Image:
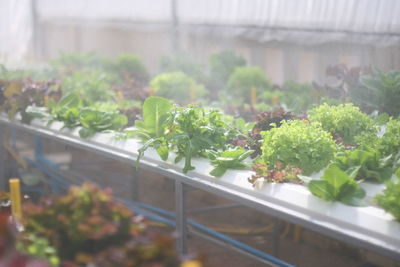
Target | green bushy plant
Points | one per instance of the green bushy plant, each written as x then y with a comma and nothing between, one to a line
344,121
243,79
390,143
185,63
196,130
384,90
92,85
128,68
389,199
70,62
299,144
177,86
222,65
298,97
366,164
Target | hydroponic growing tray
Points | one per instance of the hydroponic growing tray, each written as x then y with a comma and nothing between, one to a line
366,227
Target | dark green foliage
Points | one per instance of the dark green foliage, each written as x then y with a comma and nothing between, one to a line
389,199
128,68
70,62
369,165
384,91
243,79
222,65
92,85
298,97
185,63
390,143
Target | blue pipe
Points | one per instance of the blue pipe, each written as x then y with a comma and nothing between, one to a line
218,235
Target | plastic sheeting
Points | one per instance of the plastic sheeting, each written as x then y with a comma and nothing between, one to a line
299,21
16,29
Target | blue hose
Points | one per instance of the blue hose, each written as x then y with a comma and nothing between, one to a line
216,234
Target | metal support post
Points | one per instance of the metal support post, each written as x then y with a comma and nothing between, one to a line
181,220
276,237
135,184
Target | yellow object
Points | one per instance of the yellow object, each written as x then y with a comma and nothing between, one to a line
274,100
46,101
253,96
192,93
151,91
120,97
15,198
286,230
297,234
191,264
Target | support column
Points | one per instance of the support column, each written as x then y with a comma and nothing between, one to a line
181,220
135,184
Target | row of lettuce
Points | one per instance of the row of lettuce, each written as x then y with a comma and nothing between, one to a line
90,229
280,143
225,80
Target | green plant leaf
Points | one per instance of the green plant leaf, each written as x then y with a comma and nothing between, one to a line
218,171
155,110
335,177
322,189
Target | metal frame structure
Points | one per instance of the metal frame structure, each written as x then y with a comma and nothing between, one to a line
343,229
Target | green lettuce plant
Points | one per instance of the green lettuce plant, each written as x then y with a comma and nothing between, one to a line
177,86
298,144
128,68
93,85
390,143
231,158
222,65
344,121
154,128
244,79
298,97
183,62
197,130
368,165
337,185
389,198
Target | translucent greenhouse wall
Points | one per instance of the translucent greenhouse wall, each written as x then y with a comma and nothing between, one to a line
291,39
16,29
